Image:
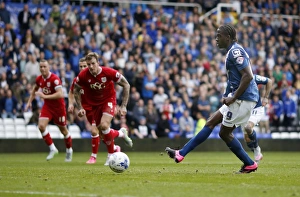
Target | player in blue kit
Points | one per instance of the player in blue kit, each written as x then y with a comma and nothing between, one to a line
256,115
238,108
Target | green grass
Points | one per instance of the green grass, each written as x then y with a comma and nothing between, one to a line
150,174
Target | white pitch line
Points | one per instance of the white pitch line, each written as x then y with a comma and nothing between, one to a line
46,193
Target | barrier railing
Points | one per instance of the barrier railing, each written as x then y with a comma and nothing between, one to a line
150,3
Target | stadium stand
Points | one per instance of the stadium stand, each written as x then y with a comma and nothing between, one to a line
153,46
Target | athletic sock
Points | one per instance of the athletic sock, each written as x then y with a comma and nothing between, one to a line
236,147
68,141
195,141
95,144
108,140
114,133
253,138
47,138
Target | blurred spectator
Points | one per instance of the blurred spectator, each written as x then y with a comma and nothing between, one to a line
201,121
50,25
24,19
167,109
149,87
151,115
9,105
143,131
139,110
4,13
186,123
55,14
159,99
163,126
37,24
32,68
289,110
276,111
13,74
174,129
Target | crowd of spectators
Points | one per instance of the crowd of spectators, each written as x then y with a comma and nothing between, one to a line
176,72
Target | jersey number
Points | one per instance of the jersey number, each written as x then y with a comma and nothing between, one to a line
229,115
62,119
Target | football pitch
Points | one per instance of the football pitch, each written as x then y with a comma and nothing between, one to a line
151,174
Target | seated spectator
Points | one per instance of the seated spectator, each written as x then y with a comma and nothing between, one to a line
8,105
159,98
167,109
289,110
139,110
186,124
163,126
151,115
201,121
143,131
174,129
276,111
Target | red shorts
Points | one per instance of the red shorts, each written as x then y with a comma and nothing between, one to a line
94,114
58,115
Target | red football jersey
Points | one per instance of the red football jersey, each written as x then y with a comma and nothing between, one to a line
100,88
49,86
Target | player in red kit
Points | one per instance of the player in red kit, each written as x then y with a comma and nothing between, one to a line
53,108
99,106
95,131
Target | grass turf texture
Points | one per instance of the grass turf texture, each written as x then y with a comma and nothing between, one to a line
209,174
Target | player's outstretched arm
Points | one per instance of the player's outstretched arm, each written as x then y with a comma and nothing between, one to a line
71,101
32,95
77,95
126,89
269,86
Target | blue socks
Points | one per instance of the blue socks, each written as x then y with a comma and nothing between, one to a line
254,143
195,141
236,147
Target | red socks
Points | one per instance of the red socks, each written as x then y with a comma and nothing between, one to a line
95,144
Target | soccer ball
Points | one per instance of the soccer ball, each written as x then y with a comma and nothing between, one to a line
119,162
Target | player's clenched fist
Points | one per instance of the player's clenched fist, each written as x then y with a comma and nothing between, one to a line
71,108
81,113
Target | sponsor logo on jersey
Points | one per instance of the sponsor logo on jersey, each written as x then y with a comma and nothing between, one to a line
103,79
240,60
236,53
46,90
97,86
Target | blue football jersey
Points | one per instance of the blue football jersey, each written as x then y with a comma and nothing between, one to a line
260,80
237,59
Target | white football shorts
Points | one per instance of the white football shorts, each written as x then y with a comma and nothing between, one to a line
257,114
237,114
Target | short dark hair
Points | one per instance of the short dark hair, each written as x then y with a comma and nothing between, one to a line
228,28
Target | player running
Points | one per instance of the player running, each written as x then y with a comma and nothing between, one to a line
53,108
95,131
97,83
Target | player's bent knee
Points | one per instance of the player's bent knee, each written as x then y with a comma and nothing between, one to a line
42,128
248,129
